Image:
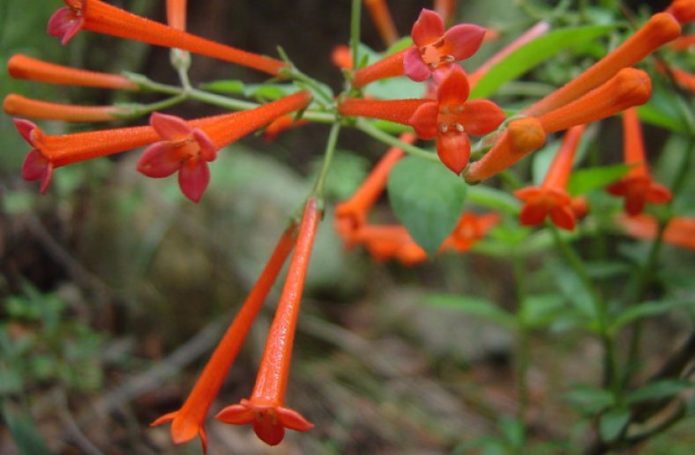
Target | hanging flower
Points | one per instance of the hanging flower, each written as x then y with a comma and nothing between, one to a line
451,118
637,187
680,230
21,106
265,409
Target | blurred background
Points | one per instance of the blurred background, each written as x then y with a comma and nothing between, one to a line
114,288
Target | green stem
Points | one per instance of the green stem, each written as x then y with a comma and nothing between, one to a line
386,138
311,83
522,354
138,110
493,198
355,20
327,160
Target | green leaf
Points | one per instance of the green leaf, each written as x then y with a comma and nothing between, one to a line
230,87
24,432
474,306
427,198
642,310
541,310
533,54
612,423
395,87
589,400
583,181
660,389
662,110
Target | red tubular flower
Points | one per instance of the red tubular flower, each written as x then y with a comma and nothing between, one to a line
680,231
469,229
381,16
529,35
435,50
384,242
551,198
22,67
100,17
188,422
280,125
683,10
637,187
683,43
176,14
660,29
50,152
20,106
352,214
684,79
188,147
265,408
451,118
399,111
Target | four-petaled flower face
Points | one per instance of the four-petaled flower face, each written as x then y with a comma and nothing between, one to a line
36,166
436,50
67,21
451,118
639,190
539,202
183,149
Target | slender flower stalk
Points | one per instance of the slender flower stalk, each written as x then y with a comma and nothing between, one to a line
188,421
683,10
265,408
186,148
551,198
529,35
23,67
20,106
100,17
50,152
352,214
381,16
680,231
659,30
176,14
399,111
637,187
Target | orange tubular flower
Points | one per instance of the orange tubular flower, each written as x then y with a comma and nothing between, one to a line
684,79
680,231
683,10
20,106
50,152
390,242
551,198
398,111
22,67
188,147
529,35
352,214
381,16
342,57
683,43
446,9
188,422
660,29
176,14
637,187
265,408
100,17
451,118
280,125
470,228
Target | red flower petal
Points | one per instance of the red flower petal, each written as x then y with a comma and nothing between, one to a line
64,24
464,40
194,177
208,151
236,414
563,217
424,120
414,67
528,194
454,89
159,160
480,117
267,430
658,194
533,214
293,420
25,128
634,203
37,167
428,27
170,127
454,150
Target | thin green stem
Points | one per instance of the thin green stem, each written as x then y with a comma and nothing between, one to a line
522,344
355,21
327,160
313,84
386,138
138,110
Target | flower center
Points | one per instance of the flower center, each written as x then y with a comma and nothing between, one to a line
449,119
434,54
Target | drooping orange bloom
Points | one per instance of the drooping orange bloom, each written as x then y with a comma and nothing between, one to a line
529,35
384,242
100,17
352,214
470,228
381,16
176,14
680,231
265,408
188,421
683,10
551,198
637,187
20,106
186,148
23,67
659,30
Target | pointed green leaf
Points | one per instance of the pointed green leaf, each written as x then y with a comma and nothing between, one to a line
583,181
660,389
612,423
427,198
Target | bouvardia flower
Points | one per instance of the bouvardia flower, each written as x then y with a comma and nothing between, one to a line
435,50
451,118
637,187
